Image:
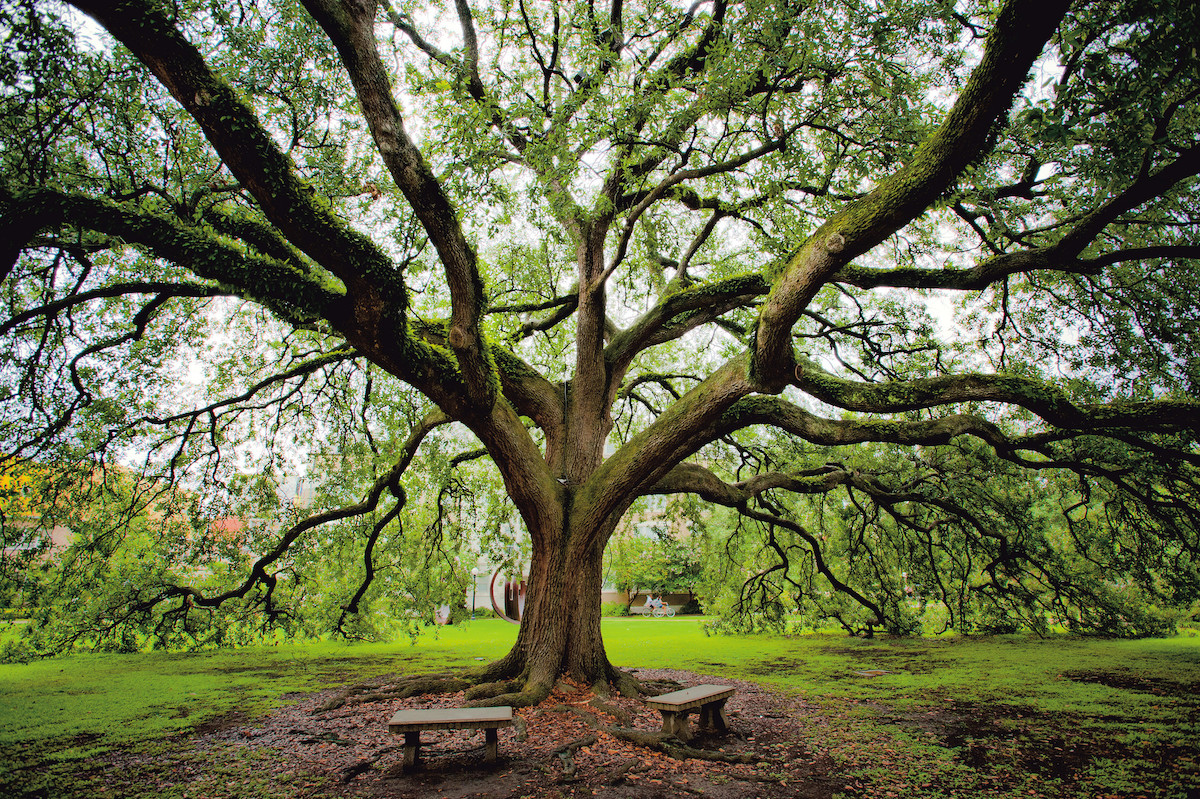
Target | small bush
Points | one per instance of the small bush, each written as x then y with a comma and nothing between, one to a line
614,609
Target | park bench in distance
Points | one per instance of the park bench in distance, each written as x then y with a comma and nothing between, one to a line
412,722
675,706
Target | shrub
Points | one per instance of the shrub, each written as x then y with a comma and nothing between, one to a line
614,609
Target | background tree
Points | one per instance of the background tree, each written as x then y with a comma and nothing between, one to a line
655,558
626,249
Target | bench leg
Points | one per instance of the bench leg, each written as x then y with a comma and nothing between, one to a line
675,723
412,749
491,737
713,714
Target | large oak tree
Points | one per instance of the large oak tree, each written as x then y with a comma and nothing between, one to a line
621,245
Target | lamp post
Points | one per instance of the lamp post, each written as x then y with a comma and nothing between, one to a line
474,585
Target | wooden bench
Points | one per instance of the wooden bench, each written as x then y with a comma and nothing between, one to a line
412,722
675,706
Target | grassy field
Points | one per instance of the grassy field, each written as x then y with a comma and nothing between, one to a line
912,717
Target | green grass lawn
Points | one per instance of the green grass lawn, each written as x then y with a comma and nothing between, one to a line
1018,702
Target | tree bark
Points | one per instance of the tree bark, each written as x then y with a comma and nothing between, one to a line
560,628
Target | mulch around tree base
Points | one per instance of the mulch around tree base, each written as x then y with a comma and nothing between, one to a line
348,752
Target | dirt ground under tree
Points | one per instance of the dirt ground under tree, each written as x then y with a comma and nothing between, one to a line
336,744
331,744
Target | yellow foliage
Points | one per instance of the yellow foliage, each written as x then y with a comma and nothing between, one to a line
18,496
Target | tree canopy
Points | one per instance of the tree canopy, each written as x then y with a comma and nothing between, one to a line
909,287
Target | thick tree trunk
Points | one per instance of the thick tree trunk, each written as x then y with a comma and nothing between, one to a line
560,633
560,628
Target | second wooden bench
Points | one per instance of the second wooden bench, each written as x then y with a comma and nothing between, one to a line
412,722
675,706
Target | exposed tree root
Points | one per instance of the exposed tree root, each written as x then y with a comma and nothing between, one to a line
488,690
620,774
400,689
622,715
672,746
625,683
589,717
502,682
365,765
657,687
418,687
658,741
566,753
506,668
329,737
530,696
361,767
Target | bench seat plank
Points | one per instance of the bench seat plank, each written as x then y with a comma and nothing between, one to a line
690,697
449,718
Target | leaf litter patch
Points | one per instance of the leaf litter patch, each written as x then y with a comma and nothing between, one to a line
558,749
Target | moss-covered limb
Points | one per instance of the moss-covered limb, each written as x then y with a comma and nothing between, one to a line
352,31
562,312
157,288
779,413
1062,256
677,313
147,28
1046,401
290,291
524,392
1018,35
973,279
1145,188
692,478
529,392
530,307
678,432
995,269
262,238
